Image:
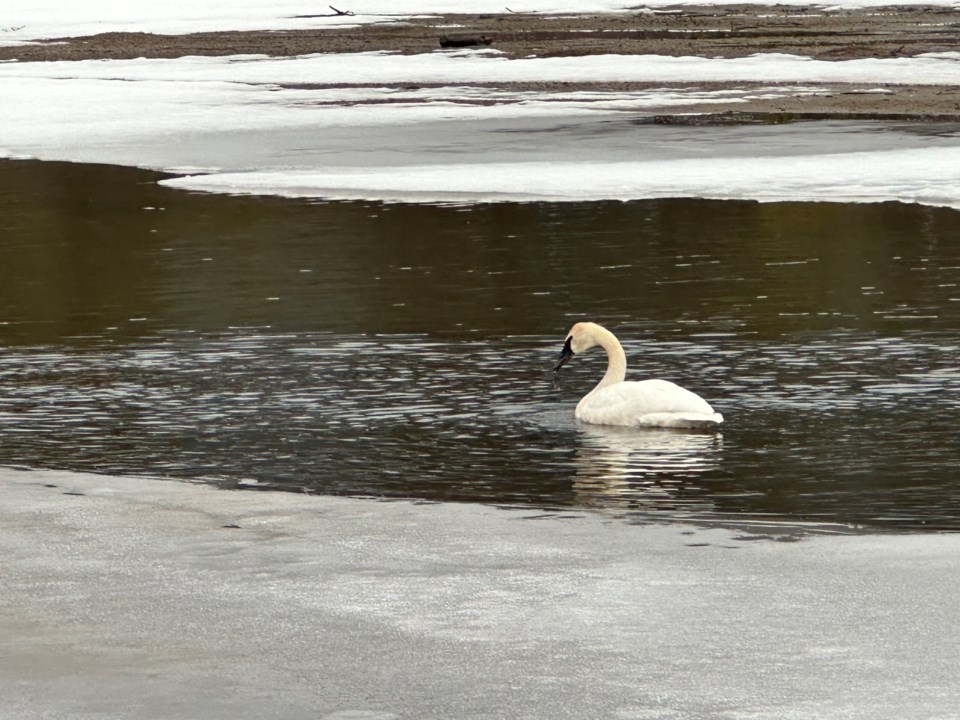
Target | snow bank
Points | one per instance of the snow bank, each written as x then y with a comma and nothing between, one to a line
929,177
28,20
255,124
188,112
489,66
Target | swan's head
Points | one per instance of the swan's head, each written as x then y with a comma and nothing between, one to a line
581,337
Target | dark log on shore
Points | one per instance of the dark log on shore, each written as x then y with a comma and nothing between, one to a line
455,41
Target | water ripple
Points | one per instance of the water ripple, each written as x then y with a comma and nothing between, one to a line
841,428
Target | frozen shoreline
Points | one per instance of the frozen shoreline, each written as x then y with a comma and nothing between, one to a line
241,125
569,108
139,598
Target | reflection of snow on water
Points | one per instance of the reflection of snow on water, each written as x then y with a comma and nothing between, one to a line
617,466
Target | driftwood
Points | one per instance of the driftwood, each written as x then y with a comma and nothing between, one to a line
336,13
464,40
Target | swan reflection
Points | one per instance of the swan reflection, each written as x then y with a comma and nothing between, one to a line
648,469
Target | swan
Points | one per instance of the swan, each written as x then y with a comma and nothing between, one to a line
644,403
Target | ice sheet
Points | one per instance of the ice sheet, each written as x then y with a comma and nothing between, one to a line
140,598
929,177
489,66
186,114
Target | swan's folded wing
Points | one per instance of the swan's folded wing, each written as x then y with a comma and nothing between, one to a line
648,403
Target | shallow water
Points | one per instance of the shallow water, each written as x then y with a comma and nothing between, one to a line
400,350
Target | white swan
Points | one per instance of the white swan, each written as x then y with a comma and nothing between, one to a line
645,403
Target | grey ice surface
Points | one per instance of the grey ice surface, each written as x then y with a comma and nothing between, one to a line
140,598
594,139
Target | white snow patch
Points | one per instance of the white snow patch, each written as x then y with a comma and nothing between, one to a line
930,177
28,20
486,66
203,112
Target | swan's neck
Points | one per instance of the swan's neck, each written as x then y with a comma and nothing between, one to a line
616,359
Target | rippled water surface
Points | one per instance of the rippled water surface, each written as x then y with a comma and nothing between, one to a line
405,351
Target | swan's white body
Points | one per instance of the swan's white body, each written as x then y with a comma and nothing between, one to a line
645,403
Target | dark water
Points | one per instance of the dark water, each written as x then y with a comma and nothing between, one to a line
405,351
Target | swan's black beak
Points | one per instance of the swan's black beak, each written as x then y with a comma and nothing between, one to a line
565,355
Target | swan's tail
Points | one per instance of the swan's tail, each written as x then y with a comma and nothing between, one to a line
681,420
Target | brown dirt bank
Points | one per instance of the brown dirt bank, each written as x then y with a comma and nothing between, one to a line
710,31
